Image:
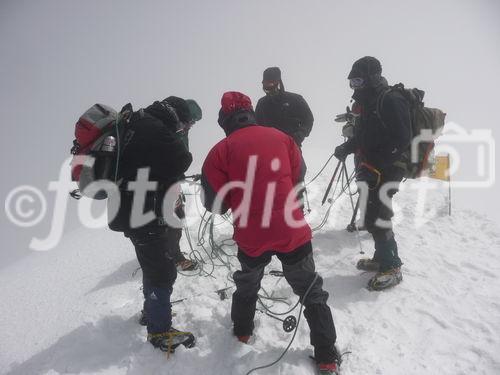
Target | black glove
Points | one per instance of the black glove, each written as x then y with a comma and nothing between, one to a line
179,206
341,152
368,174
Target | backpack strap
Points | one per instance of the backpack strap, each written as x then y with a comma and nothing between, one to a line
380,102
120,127
380,99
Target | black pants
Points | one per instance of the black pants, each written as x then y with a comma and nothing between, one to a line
386,248
153,249
176,235
299,271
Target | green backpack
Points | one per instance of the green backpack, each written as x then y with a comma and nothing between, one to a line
426,125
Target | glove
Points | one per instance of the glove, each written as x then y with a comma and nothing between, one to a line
341,152
369,174
179,206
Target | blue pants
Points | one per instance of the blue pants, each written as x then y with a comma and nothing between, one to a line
153,248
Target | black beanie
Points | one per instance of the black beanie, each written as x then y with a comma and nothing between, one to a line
272,74
365,67
181,108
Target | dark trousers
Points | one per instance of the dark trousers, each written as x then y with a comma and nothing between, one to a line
176,235
386,248
299,271
153,249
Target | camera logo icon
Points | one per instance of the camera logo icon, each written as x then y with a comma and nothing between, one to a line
472,154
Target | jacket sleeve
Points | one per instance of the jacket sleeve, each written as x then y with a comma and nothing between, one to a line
350,145
306,117
213,178
259,113
297,163
395,114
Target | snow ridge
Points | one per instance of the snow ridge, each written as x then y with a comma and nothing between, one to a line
74,310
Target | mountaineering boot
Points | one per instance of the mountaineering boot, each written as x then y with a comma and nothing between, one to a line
368,264
168,341
243,339
331,367
386,279
186,265
328,368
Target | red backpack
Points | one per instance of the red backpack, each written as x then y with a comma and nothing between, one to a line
96,148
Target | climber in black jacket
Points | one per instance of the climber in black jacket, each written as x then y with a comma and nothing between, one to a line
381,135
151,143
283,110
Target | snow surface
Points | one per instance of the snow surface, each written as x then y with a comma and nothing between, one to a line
74,310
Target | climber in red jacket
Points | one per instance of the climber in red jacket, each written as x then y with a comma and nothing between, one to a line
253,172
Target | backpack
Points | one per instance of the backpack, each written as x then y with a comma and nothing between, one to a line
96,149
426,125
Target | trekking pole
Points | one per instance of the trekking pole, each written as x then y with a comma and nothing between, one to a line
352,225
344,168
325,197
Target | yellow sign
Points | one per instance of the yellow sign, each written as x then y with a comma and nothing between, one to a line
442,168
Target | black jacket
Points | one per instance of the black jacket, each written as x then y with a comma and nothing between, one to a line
287,112
381,138
149,143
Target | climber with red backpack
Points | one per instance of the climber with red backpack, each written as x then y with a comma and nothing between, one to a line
388,146
111,150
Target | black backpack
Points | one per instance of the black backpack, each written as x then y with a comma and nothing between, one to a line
426,125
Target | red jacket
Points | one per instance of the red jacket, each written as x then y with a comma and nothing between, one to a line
277,161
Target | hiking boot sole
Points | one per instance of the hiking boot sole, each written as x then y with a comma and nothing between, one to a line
391,281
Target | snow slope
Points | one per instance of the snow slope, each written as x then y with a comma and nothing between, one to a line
74,310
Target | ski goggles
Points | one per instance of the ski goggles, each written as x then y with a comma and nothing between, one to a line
270,86
356,83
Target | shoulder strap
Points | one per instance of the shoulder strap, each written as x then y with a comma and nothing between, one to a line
121,126
380,102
